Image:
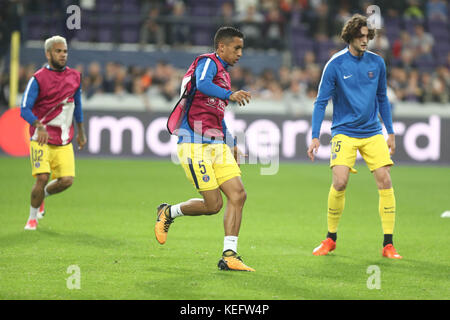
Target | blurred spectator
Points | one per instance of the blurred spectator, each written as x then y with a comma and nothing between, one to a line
422,43
93,81
250,23
274,29
321,25
407,60
440,94
293,97
413,92
179,29
400,44
152,32
284,77
443,74
309,59
341,18
241,6
237,74
146,79
226,15
265,24
398,82
109,77
427,88
380,44
314,74
436,10
413,11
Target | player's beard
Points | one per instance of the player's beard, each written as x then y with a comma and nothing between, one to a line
57,65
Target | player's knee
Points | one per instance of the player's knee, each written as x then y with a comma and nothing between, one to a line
214,207
42,179
385,183
239,196
340,184
66,182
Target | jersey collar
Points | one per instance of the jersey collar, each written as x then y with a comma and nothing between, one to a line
48,67
225,65
354,57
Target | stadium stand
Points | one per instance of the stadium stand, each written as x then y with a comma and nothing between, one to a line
166,34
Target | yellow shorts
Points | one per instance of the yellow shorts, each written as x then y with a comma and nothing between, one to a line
374,151
57,160
207,166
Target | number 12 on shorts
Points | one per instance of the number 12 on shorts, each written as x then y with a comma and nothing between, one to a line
36,155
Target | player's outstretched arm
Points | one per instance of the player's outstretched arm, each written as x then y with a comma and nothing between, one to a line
313,148
241,97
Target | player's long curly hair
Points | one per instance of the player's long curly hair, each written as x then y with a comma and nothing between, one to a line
352,28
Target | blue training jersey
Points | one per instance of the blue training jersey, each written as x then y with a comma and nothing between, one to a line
357,87
204,74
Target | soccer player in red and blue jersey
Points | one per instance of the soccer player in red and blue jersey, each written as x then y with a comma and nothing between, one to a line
204,144
355,79
51,99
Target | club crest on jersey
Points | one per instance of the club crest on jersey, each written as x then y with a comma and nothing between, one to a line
370,74
205,178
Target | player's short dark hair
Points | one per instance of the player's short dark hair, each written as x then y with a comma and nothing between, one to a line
226,33
352,28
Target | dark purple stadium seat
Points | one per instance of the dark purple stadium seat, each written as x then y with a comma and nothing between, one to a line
302,42
201,11
129,28
36,32
322,49
425,64
130,21
84,34
130,6
104,6
201,38
436,24
440,51
105,34
298,30
129,35
105,21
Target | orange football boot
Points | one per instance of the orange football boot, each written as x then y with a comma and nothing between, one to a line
326,246
390,252
233,263
163,223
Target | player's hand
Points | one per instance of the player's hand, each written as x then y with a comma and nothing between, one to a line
391,143
42,135
81,140
241,97
238,154
313,148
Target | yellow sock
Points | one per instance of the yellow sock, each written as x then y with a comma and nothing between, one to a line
336,203
387,210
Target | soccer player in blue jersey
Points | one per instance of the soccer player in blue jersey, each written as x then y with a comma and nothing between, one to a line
355,79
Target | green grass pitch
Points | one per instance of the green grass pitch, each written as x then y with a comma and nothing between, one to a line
104,225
